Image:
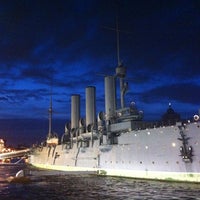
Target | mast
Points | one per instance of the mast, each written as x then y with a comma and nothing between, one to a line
50,110
120,70
117,32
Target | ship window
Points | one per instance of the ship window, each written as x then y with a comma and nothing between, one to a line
140,162
153,162
167,162
177,162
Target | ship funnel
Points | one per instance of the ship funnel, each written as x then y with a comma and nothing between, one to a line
75,111
90,96
110,96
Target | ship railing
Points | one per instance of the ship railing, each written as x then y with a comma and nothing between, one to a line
141,125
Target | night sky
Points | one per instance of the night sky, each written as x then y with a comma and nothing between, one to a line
71,44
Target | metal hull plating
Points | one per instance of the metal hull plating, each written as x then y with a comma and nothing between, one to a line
153,153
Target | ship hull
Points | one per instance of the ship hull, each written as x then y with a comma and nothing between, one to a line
153,153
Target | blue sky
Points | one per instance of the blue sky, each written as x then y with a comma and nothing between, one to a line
66,42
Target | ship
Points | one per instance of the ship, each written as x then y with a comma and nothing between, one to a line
119,142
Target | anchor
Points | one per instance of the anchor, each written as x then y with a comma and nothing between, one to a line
185,150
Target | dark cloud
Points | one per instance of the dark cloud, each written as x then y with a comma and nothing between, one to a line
39,73
185,93
22,95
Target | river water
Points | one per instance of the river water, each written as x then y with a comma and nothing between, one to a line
45,185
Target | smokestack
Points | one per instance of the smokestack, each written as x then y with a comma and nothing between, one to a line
75,111
90,96
110,96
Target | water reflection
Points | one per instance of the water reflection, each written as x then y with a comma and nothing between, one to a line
45,185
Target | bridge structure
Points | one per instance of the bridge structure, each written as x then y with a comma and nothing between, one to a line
15,154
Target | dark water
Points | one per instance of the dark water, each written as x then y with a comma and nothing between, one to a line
45,185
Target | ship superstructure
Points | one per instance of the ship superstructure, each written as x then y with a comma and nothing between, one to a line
118,142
